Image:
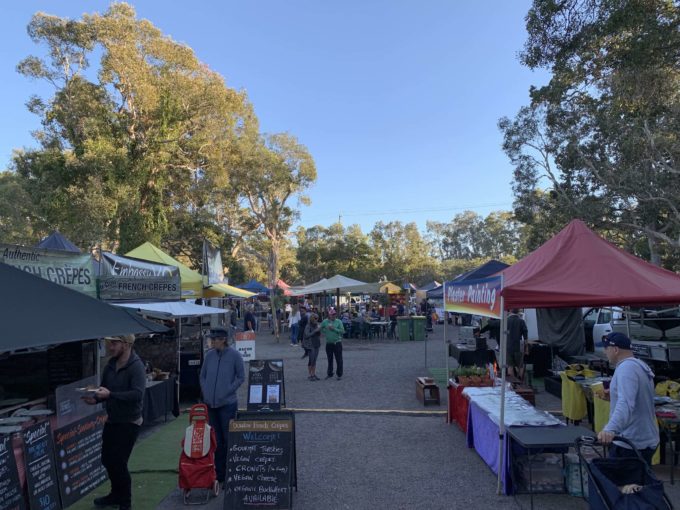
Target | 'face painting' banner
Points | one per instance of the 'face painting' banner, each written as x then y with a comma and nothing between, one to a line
478,297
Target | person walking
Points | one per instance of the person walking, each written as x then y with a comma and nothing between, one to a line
122,392
304,319
332,329
221,375
312,341
249,321
293,324
631,394
517,336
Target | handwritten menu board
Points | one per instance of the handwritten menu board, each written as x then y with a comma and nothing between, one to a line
259,464
41,473
78,455
10,490
266,389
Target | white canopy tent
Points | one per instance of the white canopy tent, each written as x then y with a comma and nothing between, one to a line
337,282
170,310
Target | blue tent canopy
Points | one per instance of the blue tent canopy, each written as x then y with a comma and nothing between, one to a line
254,286
56,241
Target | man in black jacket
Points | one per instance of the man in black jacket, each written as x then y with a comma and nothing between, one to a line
122,391
304,319
516,339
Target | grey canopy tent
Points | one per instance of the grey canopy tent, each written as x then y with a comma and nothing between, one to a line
35,312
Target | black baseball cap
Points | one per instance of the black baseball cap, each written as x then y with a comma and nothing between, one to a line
218,333
616,339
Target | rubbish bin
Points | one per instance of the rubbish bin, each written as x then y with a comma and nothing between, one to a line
404,328
418,327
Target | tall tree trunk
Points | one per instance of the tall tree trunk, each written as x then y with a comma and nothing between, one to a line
654,256
273,270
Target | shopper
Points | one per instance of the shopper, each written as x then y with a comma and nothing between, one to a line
122,391
312,341
332,329
517,336
249,322
304,319
631,393
221,376
293,324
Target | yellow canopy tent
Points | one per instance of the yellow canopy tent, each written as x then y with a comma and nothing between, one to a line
390,288
222,289
192,281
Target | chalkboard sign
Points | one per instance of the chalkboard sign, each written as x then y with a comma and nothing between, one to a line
266,388
41,473
10,490
78,453
259,464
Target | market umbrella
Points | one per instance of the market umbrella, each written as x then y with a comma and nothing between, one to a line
57,241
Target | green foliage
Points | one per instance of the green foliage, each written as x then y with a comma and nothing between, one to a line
602,136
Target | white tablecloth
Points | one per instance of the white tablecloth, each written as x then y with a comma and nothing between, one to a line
518,412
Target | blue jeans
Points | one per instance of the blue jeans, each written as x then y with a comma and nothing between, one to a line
294,333
219,418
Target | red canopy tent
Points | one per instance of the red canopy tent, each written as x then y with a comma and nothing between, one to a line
578,268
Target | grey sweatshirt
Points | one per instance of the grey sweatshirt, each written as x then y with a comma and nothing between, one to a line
632,404
221,375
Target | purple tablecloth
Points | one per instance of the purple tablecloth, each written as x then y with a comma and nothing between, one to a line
482,435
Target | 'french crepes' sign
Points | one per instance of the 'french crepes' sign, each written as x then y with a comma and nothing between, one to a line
478,297
71,270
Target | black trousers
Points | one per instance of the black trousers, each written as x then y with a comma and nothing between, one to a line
334,350
117,442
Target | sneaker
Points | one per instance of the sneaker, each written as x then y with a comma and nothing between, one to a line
329,376
316,378
339,378
108,500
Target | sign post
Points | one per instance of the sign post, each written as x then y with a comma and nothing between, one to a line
266,388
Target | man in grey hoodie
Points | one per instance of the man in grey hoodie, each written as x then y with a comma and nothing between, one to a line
221,376
632,401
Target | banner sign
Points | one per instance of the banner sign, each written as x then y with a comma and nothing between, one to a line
213,271
134,279
244,342
71,270
478,297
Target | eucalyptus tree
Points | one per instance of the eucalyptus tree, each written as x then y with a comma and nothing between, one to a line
274,171
604,131
129,138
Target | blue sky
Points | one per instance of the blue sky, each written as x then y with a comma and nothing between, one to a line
397,101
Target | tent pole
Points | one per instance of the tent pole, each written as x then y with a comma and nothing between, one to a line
179,354
446,342
501,430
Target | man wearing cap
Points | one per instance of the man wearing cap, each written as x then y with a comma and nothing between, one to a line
333,330
221,376
122,391
632,401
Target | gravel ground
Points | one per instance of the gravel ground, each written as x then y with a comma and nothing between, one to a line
352,456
